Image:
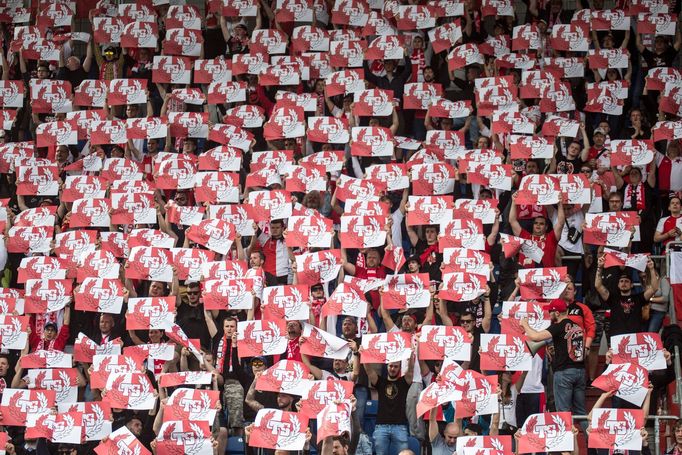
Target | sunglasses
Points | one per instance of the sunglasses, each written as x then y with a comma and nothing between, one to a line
466,321
193,293
257,363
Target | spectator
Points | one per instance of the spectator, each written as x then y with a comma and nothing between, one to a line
668,229
545,238
127,228
276,261
390,434
629,311
568,360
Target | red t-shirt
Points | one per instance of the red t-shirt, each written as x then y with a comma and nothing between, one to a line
547,243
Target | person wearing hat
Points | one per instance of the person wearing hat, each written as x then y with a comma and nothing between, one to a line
317,300
547,239
412,265
629,311
568,360
639,196
52,337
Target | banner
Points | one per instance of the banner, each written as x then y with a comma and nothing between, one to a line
548,432
437,342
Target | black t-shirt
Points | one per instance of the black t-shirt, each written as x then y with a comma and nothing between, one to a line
432,268
392,401
657,60
193,322
569,345
568,166
626,313
74,77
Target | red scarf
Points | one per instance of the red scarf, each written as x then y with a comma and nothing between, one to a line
424,257
638,192
294,349
418,60
222,353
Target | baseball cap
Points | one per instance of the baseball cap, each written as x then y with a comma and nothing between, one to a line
557,305
51,325
599,131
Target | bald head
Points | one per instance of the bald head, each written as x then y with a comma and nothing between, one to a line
450,433
406,452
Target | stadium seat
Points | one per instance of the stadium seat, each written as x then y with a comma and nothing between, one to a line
372,408
235,446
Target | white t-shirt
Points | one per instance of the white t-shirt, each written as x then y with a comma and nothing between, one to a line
508,411
576,220
533,382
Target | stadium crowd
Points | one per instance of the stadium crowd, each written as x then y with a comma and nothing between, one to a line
337,227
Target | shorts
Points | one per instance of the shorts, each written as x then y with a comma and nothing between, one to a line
234,403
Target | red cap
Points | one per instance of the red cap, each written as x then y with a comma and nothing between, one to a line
557,305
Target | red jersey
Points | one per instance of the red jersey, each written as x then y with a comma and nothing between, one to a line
548,243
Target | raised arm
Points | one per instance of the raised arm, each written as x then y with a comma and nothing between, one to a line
443,313
433,425
409,374
619,178
371,374
316,372
487,311
388,322
654,281
210,323
560,221
87,63
347,266
598,284
585,154
495,229
513,220
638,42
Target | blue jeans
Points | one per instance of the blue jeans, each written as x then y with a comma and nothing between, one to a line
390,439
569,391
361,393
656,320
